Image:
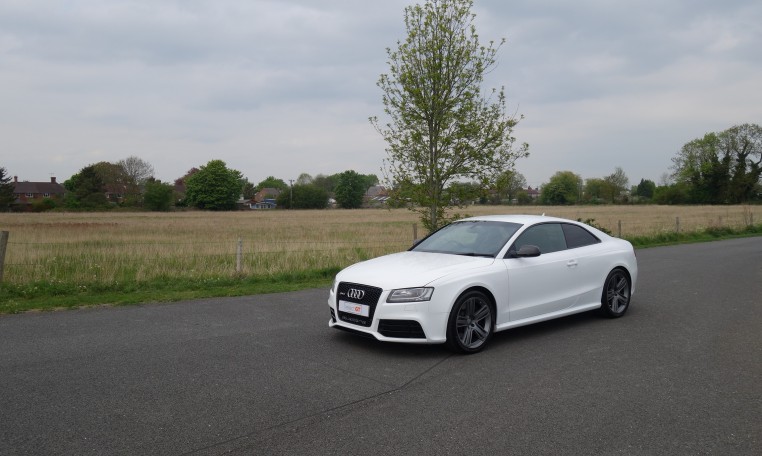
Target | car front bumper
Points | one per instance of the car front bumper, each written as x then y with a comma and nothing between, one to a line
413,323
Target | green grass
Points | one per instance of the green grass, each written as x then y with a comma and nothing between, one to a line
705,235
55,296
15,298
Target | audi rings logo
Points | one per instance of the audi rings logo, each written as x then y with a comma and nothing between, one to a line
354,293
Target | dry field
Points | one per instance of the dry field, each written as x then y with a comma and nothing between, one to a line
88,248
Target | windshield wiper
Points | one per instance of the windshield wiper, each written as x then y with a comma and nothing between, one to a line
474,254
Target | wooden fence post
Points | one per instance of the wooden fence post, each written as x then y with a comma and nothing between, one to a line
238,256
415,232
3,244
677,225
620,229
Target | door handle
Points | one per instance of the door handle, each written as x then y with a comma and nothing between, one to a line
571,263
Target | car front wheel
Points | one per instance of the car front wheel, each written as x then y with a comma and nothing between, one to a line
616,294
470,325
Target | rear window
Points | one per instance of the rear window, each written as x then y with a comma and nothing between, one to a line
576,236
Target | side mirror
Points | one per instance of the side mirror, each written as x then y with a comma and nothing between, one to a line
528,251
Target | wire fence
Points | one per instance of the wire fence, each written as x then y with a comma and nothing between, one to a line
103,262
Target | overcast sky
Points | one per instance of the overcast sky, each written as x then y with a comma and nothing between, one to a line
284,87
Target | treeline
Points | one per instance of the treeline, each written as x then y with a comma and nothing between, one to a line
719,168
130,184
306,192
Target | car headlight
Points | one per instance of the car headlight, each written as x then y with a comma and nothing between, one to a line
410,295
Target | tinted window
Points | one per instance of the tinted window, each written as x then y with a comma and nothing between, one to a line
576,236
549,237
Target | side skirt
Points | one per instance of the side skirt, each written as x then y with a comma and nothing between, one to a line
546,317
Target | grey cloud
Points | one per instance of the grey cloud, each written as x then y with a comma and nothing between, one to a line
190,80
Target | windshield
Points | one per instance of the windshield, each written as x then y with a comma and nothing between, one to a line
473,238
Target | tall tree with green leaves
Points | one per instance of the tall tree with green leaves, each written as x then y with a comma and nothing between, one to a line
327,183
745,143
441,128
214,187
350,189
116,183
721,167
158,195
645,188
247,189
303,197
616,184
595,190
272,182
370,180
6,191
564,187
465,193
86,190
304,179
507,186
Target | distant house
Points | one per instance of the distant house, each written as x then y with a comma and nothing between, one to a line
376,196
267,203
266,194
265,199
533,193
28,192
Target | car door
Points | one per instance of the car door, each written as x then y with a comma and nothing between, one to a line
542,284
590,271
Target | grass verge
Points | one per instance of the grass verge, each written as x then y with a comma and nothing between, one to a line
40,296
46,296
709,234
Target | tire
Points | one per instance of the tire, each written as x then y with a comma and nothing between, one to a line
471,323
615,299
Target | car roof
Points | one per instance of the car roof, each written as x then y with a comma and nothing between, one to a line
523,219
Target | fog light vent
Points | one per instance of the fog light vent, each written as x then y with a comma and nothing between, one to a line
401,329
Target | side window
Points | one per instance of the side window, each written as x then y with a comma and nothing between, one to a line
549,237
576,236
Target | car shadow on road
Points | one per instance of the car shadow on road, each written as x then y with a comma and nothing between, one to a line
370,345
353,344
560,328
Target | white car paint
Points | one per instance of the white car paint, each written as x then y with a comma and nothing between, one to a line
413,269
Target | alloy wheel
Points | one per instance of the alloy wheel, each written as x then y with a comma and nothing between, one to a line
473,323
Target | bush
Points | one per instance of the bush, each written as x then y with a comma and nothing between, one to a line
158,196
44,205
591,222
304,197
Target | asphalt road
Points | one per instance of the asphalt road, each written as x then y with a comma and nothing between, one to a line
681,373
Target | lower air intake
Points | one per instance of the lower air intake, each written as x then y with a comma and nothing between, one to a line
401,329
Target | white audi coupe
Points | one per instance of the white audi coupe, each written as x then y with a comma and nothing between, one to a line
480,275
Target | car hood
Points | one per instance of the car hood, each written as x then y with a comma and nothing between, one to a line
409,269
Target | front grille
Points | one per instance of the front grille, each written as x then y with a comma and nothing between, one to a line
360,294
402,329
